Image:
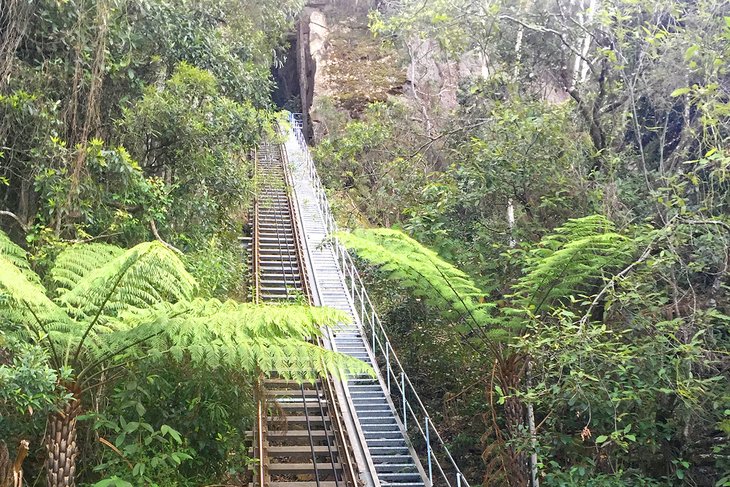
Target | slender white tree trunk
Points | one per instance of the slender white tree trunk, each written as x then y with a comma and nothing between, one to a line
587,39
518,52
511,222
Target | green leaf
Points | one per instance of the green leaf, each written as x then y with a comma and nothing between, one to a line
167,430
680,92
691,51
601,439
113,482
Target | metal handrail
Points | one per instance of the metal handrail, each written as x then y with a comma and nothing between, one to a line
259,434
380,344
260,425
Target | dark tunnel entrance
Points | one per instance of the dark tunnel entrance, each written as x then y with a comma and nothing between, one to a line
286,94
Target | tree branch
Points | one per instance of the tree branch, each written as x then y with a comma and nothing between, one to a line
546,30
153,226
15,217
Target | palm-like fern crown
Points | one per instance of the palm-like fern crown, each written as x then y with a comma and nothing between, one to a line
112,303
568,263
571,261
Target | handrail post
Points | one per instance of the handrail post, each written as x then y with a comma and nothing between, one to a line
403,393
352,283
374,341
428,447
387,363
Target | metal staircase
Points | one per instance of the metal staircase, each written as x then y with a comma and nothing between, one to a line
392,459
356,432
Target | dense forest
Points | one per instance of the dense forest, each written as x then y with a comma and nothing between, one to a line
536,193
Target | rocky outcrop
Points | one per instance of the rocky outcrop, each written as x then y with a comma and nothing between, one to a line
341,66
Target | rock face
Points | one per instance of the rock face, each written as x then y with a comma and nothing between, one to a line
342,67
434,78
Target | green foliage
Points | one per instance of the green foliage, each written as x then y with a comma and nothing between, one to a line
28,385
195,138
577,256
379,185
17,257
76,262
142,299
423,273
219,266
141,452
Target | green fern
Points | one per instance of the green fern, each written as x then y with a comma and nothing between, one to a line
17,256
74,263
140,303
571,261
215,334
138,278
425,275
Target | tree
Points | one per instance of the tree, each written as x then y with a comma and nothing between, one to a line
107,308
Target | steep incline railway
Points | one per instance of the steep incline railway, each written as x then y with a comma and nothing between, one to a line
330,433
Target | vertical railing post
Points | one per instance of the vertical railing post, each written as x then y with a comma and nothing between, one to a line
374,341
362,305
428,446
403,393
387,362
352,282
372,320
458,479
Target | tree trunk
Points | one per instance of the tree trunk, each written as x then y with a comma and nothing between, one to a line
510,374
517,463
61,443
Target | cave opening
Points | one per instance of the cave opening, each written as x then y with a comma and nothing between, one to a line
286,94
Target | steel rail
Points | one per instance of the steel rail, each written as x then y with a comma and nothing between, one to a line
327,437
372,324
311,441
255,251
301,278
286,264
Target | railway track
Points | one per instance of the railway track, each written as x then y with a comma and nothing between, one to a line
299,440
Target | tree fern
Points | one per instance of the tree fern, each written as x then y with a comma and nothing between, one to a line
74,263
229,334
24,304
141,301
138,278
425,274
16,256
577,256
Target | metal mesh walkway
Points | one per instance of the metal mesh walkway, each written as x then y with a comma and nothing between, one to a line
387,451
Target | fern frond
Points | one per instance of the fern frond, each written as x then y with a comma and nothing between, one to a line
579,254
422,271
77,261
114,305
25,306
14,254
228,334
139,278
